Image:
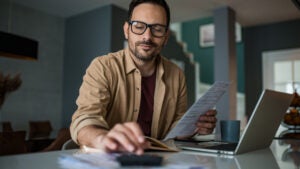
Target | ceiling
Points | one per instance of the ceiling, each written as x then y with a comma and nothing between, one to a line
248,12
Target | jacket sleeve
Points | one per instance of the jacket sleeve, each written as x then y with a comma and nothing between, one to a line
92,101
181,105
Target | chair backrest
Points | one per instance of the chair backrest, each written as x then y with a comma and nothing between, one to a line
70,144
6,126
39,129
62,136
12,142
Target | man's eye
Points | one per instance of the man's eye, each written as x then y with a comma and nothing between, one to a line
157,29
139,27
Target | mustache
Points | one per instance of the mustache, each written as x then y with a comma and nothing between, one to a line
146,43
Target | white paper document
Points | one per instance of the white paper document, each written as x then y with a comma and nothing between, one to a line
88,161
186,125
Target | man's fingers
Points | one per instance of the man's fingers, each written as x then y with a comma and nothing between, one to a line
211,112
139,138
110,144
125,137
136,131
211,119
206,125
204,131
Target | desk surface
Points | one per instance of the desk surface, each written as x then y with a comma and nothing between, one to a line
277,156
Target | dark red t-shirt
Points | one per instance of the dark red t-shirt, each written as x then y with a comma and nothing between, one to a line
147,101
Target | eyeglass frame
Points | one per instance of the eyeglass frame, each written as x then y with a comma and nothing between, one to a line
150,27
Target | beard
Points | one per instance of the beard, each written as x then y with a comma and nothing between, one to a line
147,57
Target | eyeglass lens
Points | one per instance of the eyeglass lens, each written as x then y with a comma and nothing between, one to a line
140,27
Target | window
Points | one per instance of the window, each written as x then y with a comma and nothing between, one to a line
281,70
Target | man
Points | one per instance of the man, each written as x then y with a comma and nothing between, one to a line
134,92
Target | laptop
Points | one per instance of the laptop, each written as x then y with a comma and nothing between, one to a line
259,132
265,158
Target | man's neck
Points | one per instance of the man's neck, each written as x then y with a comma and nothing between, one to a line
146,68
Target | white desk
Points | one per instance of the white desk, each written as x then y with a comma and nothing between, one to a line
272,158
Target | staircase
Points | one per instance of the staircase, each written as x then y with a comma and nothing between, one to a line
176,52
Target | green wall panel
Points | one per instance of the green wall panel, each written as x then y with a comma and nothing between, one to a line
205,55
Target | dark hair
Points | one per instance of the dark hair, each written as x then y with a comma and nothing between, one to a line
162,3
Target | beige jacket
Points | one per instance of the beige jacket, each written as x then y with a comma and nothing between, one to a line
110,94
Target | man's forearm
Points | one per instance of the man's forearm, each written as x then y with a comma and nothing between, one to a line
89,135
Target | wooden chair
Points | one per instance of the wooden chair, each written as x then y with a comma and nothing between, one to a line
12,142
39,129
62,136
6,126
70,144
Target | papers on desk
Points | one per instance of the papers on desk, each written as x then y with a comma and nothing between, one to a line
88,161
107,161
208,101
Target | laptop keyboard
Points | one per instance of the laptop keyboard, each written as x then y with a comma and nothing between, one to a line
229,146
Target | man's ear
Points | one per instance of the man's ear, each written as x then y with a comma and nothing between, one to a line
126,29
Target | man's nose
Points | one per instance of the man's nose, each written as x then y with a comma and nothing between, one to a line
147,34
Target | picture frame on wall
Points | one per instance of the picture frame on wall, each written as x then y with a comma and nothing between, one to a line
207,34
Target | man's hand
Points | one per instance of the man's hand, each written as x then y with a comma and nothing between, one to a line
126,137
206,122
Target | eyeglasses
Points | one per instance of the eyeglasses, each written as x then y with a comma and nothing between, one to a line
157,30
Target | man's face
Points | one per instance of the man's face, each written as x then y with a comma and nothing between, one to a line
146,47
